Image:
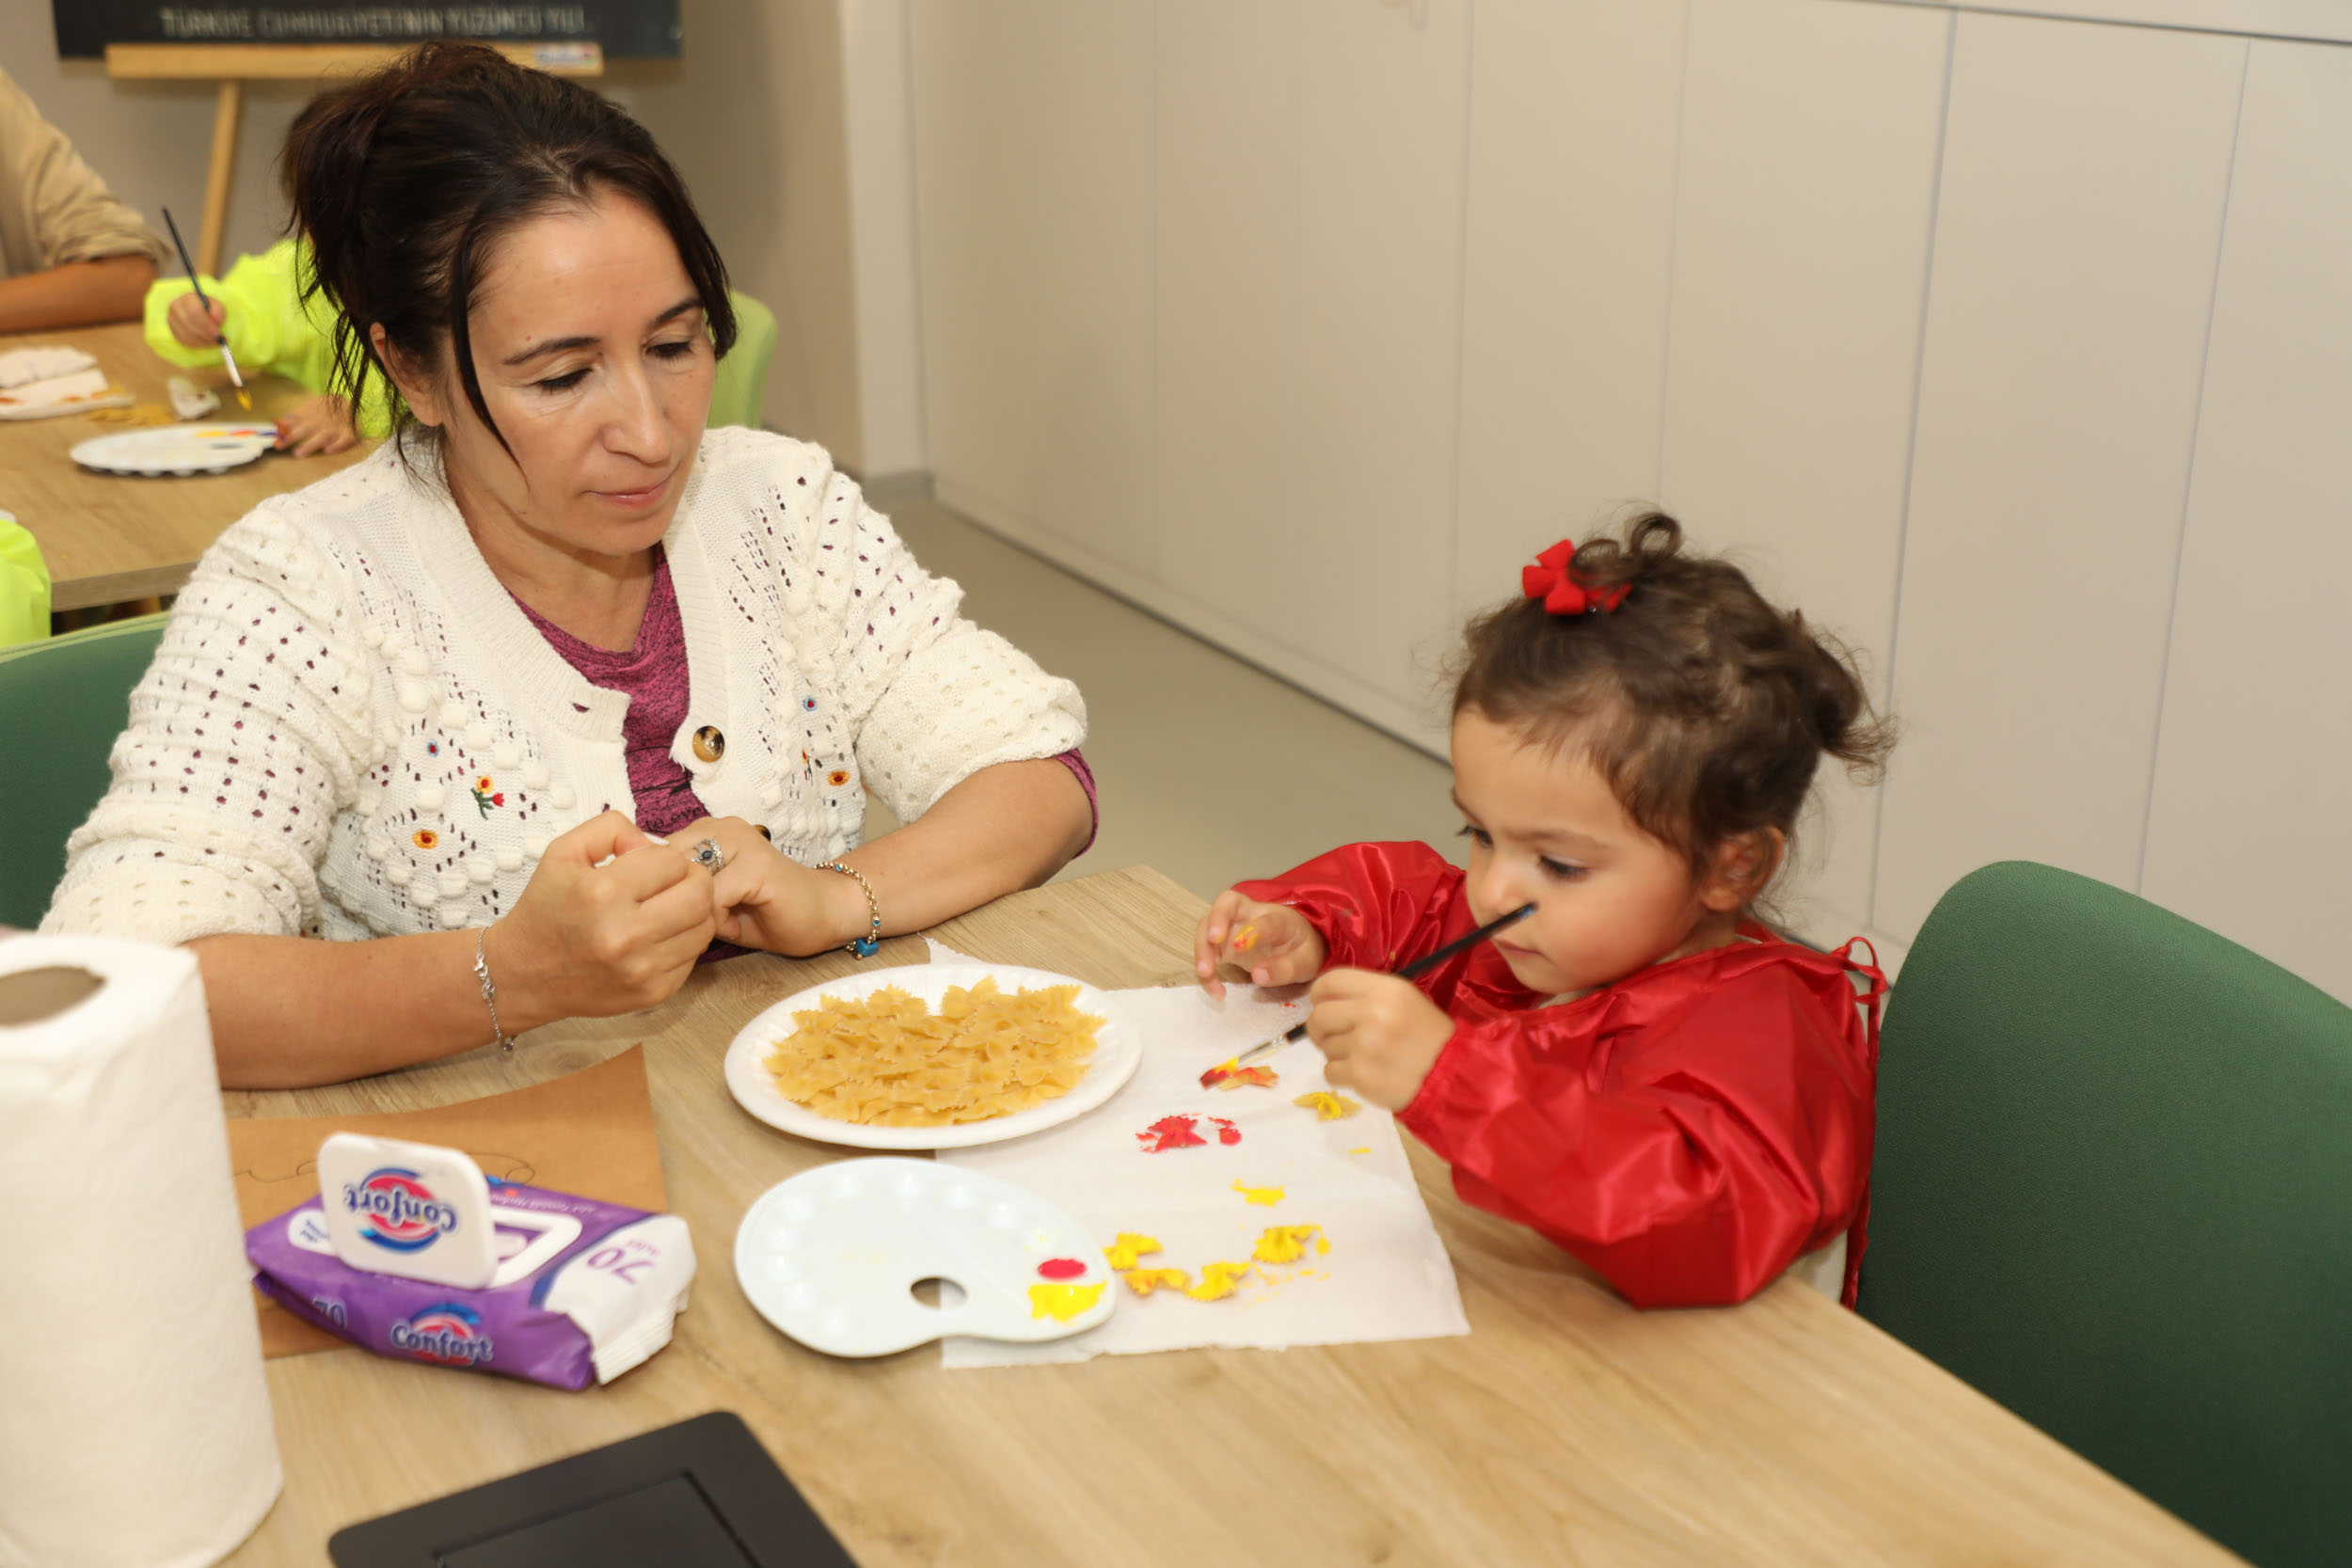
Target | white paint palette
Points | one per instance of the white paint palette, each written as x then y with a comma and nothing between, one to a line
832,1257
176,450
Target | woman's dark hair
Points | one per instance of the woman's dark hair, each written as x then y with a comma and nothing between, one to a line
1704,708
402,180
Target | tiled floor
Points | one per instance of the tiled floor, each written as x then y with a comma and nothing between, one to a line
1210,771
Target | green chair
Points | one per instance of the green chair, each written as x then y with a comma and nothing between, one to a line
2113,1189
740,388
62,703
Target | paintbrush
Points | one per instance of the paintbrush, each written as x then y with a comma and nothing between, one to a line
237,380
1419,966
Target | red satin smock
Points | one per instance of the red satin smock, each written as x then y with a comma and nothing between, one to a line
1689,1131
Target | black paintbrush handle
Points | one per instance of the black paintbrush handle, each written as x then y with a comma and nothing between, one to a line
1419,966
1422,966
194,282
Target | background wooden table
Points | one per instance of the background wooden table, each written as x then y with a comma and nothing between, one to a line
107,538
1565,1428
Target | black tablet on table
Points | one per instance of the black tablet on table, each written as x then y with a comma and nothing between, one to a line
702,1494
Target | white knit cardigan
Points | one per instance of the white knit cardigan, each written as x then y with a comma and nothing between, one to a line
350,728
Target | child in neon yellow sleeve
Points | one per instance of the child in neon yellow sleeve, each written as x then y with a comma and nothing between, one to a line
259,305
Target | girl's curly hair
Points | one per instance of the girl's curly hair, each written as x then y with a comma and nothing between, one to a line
1705,709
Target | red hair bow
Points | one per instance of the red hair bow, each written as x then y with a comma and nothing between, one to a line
1553,580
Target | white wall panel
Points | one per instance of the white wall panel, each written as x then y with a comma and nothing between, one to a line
880,124
1382,105
2085,170
1033,178
1806,196
1227,306
1570,232
2251,821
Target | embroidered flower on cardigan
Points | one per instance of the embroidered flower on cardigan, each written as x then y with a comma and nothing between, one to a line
487,793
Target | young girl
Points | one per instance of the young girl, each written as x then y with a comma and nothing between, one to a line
1638,1070
272,330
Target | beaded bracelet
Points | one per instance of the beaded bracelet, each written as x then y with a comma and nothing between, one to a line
489,992
871,943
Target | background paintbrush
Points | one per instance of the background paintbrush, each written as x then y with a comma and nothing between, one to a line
197,283
1419,966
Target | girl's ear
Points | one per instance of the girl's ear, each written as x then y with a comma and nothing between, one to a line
416,388
1741,869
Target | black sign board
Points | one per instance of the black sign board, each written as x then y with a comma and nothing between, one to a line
628,29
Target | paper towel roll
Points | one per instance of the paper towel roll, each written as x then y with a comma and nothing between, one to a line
135,1424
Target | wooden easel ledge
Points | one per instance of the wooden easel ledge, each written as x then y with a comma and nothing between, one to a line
232,65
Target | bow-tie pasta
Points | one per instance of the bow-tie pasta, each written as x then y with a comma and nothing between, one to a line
887,1060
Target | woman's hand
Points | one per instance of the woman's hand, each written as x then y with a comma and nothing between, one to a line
611,923
320,425
1379,1035
762,897
196,323
1270,944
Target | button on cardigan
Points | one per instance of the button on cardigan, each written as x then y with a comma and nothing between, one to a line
352,729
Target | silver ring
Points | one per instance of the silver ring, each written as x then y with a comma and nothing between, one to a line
707,855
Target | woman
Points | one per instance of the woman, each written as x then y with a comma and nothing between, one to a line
70,253
454,698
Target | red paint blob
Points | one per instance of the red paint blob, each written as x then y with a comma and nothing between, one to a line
1061,1268
1226,1132
1169,1133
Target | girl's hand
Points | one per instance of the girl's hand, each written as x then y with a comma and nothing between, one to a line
1270,944
196,323
591,940
762,897
320,425
1379,1035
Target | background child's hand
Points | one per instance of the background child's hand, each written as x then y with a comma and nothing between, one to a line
1271,944
1379,1035
316,425
196,323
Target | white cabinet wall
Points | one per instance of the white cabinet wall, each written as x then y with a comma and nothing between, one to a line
2014,349
1033,198
2249,824
1794,343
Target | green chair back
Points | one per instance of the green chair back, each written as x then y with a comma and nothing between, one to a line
2113,1189
740,388
62,703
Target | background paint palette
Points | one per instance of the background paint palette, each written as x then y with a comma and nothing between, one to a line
1118,1050
176,450
830,1257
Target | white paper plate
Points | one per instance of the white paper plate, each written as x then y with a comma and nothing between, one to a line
1118,1051
830,1257
211,447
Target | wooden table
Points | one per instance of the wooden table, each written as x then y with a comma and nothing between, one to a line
1565,1429
108,538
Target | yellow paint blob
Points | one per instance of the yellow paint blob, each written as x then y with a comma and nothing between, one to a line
1130,1246
1266,1197
1244,939
1063,1302
1218,1281
1366,1149
1326,1105
1287,1243
1144,1281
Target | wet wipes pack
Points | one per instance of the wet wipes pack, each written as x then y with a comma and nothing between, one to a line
414,1210
579,1292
